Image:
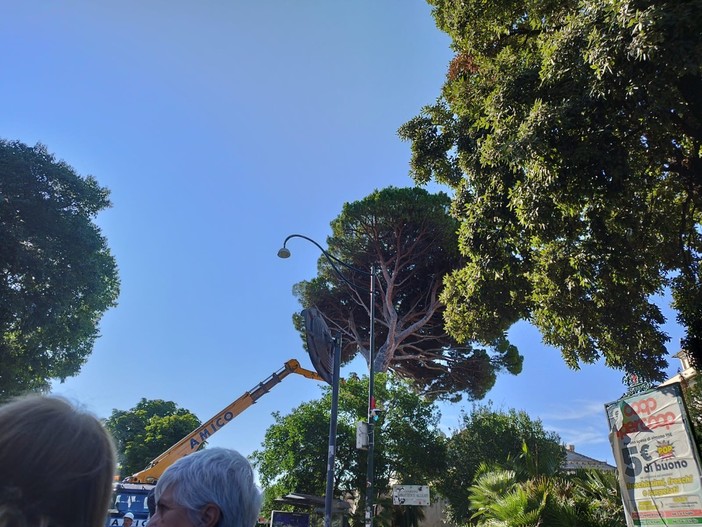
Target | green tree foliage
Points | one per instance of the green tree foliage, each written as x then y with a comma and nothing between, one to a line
692,394
570,132
599,498
506,439
57,276
499,497
408,445
144,432
294,453
410,238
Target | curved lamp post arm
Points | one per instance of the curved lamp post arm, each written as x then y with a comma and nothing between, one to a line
284,252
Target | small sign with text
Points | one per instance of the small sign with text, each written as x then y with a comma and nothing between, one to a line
410,495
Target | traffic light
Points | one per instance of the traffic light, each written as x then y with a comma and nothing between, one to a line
375,411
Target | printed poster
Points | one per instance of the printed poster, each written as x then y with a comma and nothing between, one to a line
657,461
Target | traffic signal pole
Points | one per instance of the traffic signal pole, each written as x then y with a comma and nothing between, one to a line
371,404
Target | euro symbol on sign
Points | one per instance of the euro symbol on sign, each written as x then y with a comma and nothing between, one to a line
645,454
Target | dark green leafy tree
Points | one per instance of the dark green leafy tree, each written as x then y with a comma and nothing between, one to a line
570,132
508,439
692,393
408,446
411,239
57,276
294,453
147,430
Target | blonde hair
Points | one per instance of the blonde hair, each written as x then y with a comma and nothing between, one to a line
57,464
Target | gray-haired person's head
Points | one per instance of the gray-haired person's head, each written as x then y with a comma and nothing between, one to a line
218,476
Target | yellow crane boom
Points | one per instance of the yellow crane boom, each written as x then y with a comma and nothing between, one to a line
192,442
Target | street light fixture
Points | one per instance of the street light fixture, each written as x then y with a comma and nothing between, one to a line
284,252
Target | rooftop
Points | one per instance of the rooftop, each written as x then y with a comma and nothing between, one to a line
575,461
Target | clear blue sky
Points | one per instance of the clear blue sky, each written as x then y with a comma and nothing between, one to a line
221,127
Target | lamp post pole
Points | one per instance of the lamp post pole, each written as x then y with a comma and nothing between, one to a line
331,453
284,252
371,404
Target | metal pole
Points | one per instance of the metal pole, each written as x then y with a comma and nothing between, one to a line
285,253
328,496
371,403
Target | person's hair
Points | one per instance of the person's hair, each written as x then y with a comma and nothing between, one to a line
215,475
151,501
57,464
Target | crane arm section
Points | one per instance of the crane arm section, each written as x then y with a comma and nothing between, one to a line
194,440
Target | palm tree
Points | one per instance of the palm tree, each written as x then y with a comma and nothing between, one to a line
532,493
500,499
599,497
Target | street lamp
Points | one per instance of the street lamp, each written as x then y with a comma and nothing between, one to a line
284,252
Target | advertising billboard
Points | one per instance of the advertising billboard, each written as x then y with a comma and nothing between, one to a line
657,461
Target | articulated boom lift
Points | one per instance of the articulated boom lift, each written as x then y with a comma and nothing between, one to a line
192,442
130,495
